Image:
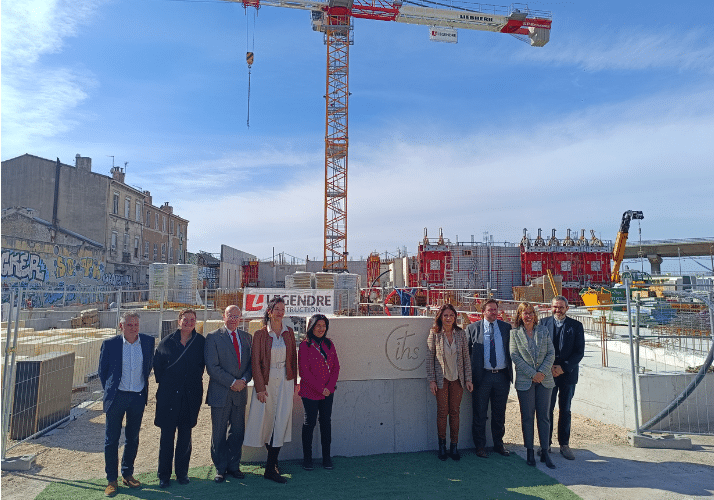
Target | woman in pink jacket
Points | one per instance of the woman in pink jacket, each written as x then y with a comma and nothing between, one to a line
319,370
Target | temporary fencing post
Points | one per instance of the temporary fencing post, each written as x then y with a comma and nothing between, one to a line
637,334
632,356
8,375
118,308
205,309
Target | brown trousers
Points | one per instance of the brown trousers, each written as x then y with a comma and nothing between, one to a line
448,402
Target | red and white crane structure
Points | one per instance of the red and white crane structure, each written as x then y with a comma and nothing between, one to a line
334,18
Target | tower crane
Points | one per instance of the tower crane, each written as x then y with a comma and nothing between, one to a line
334,18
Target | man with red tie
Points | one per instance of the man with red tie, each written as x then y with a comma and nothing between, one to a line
227,354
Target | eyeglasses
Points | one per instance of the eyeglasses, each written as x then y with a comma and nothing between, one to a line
234,316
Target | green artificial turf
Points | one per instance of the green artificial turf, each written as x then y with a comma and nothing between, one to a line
393,476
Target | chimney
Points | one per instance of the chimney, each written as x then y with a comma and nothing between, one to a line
118,174
147,198
83,163
167,208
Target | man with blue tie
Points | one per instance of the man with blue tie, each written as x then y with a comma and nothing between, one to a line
492,376
227,354
125,362
569,341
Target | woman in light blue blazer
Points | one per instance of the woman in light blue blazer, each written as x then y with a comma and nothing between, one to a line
533,353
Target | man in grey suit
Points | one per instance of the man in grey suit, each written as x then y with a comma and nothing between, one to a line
492,376
227,354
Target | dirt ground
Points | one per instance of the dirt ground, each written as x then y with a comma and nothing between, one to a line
76,450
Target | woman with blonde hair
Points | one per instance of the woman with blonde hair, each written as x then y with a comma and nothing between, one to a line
448,369
533,353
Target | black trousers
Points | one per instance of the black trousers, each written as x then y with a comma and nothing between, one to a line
166,451
314,408
494,387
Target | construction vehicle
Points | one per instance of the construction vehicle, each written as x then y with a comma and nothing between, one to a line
608,295
335,19
618,252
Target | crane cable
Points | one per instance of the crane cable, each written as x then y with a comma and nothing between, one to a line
249,56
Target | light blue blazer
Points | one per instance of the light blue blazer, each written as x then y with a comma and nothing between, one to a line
526,366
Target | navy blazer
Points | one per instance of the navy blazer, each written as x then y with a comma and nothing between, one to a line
474,334
569,350
110,365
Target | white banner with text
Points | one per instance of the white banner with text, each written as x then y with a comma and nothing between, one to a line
298,301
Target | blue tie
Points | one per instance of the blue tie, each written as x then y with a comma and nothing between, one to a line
492,358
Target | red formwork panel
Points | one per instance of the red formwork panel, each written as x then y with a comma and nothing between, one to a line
250,274
432,261
373,268
584,267
573,295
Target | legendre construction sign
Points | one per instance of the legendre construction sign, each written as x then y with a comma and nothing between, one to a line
298,301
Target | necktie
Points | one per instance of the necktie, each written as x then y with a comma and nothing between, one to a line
235,346
492,358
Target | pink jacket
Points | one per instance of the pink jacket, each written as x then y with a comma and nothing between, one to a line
316,373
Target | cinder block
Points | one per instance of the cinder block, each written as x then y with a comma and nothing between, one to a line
22,463
664,441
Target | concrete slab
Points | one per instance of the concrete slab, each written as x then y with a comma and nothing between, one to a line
22,463
668,441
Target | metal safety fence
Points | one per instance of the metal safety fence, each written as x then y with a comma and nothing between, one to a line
51,350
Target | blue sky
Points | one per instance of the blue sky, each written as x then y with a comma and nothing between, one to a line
490,134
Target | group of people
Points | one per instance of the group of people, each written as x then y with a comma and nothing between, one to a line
480,359
546,355
232,358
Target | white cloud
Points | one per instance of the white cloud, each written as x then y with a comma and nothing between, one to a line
579,172
635,49
37,97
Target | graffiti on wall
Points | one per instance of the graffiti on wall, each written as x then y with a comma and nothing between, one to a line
30,269
23,266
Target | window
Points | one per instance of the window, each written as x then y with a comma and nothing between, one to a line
156,226
146,249
171,226
127,207
137,211
136,247
163,224
148,218
115,204
126,242
163,251
114,240
155,253
171,257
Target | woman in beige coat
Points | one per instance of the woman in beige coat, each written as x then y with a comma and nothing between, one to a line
448,369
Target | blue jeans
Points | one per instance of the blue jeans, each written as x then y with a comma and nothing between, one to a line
564,396
132,405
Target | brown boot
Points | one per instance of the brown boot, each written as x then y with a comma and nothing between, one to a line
111,489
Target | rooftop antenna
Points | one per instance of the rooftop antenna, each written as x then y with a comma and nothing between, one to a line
112,157
125,164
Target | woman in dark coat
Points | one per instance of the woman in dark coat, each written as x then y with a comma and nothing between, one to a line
178,367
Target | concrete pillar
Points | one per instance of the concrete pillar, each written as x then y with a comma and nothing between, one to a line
655,261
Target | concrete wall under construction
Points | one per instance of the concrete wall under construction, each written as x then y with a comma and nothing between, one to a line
382,403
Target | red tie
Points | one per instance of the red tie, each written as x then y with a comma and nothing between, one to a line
235,346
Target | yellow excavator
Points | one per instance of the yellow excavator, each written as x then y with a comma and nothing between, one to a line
603,295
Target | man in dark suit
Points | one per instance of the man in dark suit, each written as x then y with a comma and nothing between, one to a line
227,354
124,365
492,376
569,342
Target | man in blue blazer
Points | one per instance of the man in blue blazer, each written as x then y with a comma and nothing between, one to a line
125,362
492,374
569,342
227,353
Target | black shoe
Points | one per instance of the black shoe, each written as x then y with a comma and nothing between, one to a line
219,478
307,464
501,450
545,457
454,452
327,463
530,457
442,450
236,474
183,480
164,483
273,475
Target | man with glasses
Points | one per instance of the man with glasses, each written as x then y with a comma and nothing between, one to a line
227,353
569,342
